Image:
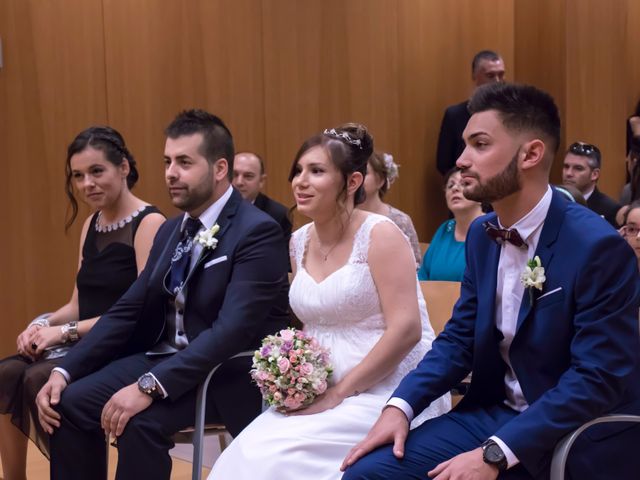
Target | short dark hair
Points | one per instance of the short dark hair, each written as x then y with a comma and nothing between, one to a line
217,141
489,55
520,108
111,143
348,146
589,151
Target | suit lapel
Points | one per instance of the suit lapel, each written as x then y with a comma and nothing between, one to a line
548,236
486,286
224,221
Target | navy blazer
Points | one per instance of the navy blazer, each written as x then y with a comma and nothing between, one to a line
576,350
231,303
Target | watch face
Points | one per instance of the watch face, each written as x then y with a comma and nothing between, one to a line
147,383
493,454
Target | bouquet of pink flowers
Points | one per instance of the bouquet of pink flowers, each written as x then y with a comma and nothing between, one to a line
291,369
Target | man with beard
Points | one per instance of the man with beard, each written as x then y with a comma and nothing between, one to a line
547,321
214,285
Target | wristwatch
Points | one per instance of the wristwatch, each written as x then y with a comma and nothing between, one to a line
493,455
147,384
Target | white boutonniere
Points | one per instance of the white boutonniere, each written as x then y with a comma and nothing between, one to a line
207,239
533,276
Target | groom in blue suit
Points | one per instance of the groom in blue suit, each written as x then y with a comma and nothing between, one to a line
215,284
550,347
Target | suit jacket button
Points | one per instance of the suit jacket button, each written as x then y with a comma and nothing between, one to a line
180,312
180,332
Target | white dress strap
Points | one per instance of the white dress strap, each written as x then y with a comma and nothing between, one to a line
298,243
362,238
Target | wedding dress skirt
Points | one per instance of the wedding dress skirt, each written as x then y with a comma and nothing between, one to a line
343,313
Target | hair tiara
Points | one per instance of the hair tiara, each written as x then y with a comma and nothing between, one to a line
344,136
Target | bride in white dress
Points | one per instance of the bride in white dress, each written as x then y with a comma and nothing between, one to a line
355,290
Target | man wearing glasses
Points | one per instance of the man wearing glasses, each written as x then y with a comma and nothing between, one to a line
581,168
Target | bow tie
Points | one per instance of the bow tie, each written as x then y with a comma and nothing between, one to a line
501,235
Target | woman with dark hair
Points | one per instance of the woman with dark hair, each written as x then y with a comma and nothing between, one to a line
115,242
444,259
382,171
355,291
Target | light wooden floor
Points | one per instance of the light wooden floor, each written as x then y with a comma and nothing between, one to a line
38,466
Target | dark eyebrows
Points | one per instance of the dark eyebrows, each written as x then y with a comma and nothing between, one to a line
477,134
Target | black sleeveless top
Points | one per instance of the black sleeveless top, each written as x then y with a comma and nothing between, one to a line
108,265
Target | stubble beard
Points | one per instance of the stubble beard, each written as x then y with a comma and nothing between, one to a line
497,187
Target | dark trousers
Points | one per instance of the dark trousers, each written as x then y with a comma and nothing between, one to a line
78,446
601,453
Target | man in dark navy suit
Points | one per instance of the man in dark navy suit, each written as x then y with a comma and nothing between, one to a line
214,285
487,67
547,321
581,169
249,176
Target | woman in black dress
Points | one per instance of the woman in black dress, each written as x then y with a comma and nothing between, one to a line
115,243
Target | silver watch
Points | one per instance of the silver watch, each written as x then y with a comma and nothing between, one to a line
70,332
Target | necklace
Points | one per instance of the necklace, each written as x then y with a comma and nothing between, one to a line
325,255
119,224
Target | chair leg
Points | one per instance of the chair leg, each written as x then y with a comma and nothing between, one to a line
222,439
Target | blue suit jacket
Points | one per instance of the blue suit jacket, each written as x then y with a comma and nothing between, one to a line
576,351
230,306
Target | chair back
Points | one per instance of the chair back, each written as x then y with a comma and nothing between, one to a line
440,297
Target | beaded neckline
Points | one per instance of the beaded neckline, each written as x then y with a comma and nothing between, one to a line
120,223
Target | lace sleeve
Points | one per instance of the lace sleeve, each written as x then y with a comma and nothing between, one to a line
404,223
297,244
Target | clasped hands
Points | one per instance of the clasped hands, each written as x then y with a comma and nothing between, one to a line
121,407
393,427
39,337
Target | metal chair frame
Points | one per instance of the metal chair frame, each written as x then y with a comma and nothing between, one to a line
561,452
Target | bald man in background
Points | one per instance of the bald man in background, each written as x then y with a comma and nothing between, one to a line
248,178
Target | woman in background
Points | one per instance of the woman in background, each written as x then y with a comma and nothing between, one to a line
115,243
382,171
444,259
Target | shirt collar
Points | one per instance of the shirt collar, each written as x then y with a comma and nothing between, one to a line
528,224
589,193
209,217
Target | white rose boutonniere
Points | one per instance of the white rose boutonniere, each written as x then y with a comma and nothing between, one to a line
533,276
207,239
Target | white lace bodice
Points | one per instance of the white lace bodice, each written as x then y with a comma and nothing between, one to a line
343,311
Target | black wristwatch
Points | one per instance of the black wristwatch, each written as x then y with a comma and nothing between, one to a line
493,455
147,384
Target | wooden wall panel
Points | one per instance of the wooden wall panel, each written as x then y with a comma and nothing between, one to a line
437,41
631,63
595,83
51,86
166,57
540,56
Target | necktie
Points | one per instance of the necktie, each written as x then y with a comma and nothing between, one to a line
501,235
181,258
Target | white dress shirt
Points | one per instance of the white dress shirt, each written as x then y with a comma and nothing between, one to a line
509,292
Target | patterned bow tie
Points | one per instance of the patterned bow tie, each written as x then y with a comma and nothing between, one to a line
501,235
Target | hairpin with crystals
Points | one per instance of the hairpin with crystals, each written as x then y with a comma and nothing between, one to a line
391,167
344,136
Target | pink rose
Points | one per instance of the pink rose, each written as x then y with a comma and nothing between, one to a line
291,391
277,396
322,387
292,403
306,369
287,335
293,357
283,365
